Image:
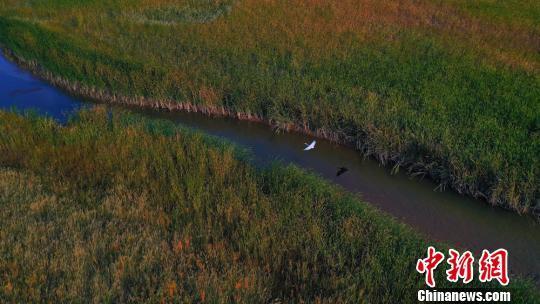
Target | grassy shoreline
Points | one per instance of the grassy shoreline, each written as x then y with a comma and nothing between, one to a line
118,208
396,160
78,89
466,113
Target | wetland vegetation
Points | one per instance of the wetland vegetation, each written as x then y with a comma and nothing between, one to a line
449,89
115,208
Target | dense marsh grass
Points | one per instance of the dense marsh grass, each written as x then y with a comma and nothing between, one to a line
192,11
113,208
525,12
441,88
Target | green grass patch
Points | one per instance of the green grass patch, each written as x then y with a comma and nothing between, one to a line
525,12
190,11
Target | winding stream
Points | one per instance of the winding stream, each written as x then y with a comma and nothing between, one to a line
446,216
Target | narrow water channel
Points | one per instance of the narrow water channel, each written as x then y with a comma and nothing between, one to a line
464,222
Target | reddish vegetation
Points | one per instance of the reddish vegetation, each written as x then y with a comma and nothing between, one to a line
320,23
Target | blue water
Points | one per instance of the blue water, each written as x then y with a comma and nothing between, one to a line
21,91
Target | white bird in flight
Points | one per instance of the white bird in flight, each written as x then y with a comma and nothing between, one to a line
310,146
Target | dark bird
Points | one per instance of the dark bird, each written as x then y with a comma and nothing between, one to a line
341,170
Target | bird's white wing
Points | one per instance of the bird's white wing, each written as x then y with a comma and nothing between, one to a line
311,146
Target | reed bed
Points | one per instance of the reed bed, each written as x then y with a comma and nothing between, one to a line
115,208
